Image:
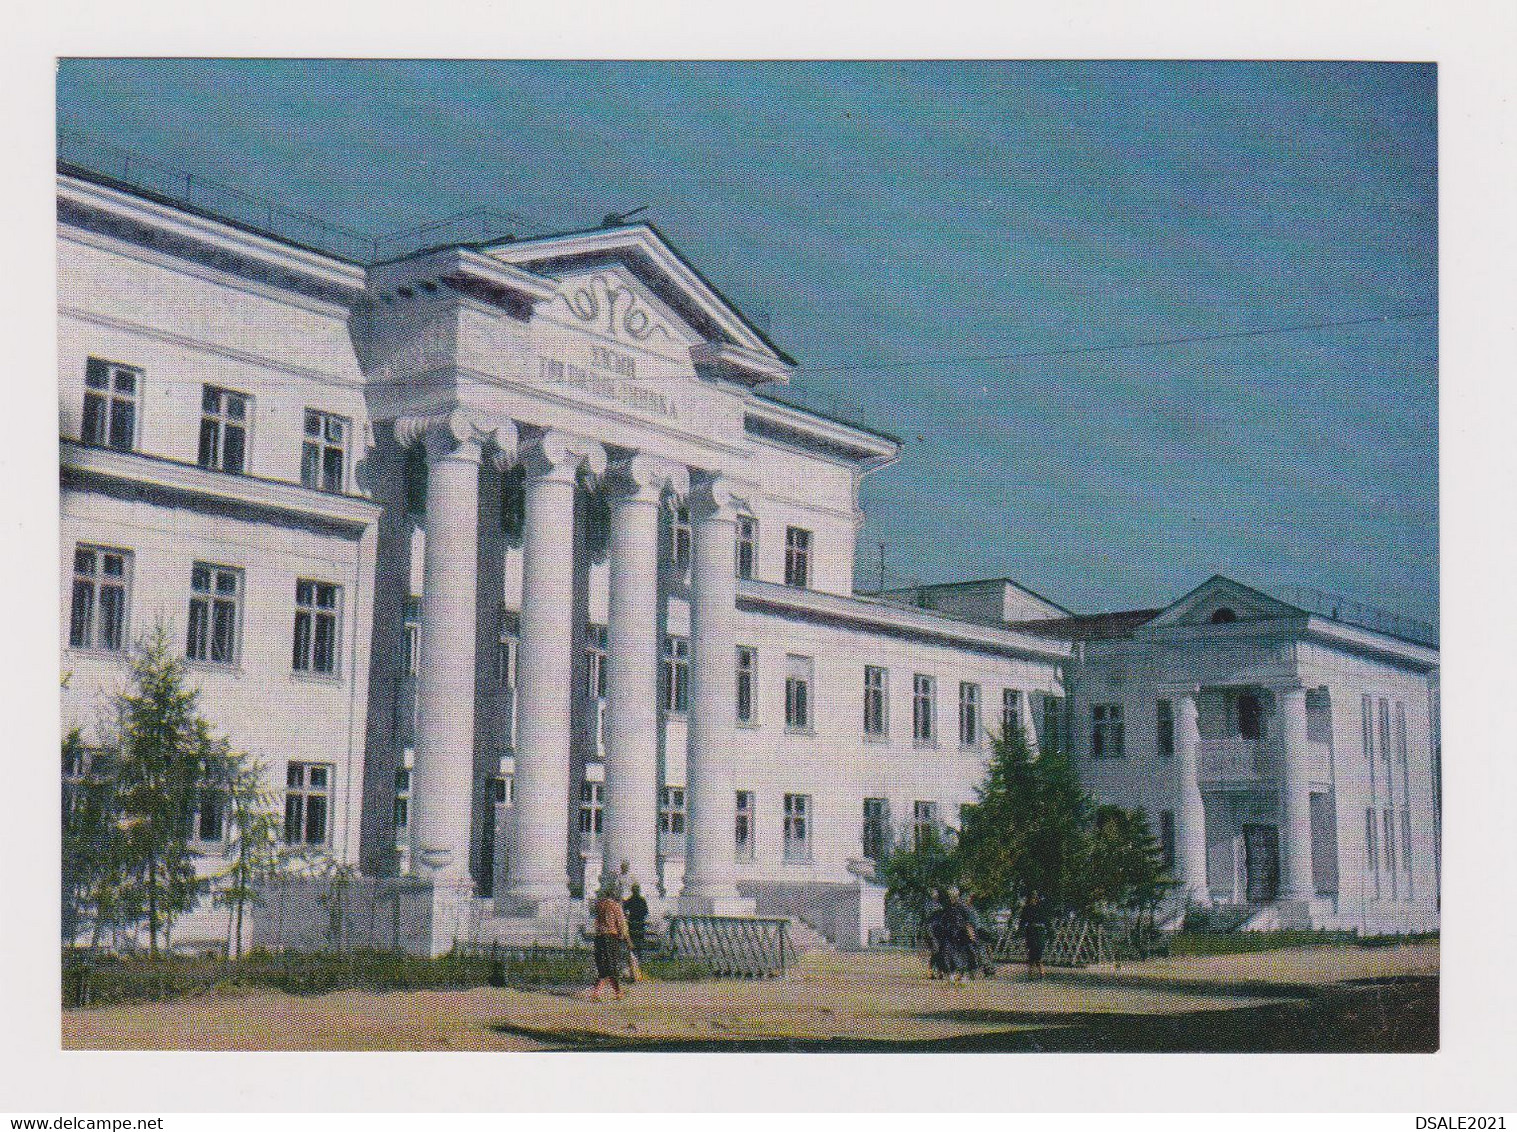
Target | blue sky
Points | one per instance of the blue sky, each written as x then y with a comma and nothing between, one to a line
896,223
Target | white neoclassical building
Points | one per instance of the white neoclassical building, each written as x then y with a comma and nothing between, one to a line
506,565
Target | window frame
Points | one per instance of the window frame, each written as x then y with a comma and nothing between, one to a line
108,397
876,702
921,826
1164,728
969,714
879,827
1106,731
323,445
223,421
592,811
800,674
96,583
681,538
209,600
797,809
306,791
747,675
1011,713
597,641
313,614
674,689
924,709
673,820
747,547
745,824
798,546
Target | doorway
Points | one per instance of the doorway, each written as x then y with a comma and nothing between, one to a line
1261,857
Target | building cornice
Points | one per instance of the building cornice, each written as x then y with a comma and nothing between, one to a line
312,267
470,272
856,443
255,495
896,621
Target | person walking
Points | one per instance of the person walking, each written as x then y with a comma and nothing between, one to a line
1034,926
959,938
636,910
612,941
937,937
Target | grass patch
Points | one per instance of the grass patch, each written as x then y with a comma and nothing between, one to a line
104,980
1238,943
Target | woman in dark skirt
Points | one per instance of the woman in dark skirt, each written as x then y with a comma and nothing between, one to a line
612,943
1033,930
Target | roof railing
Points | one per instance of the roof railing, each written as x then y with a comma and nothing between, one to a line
1350,612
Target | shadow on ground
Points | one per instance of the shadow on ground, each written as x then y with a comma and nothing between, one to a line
1391,1015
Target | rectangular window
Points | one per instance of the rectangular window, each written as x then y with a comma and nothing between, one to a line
224,419
671,820
402,807
215,613
503,789
1402,769
747,545
798,827
676,695
595,662
1011,713
876,836
1385,745
1406,849
680,538
411,643
924,824
591,810
743,830
316,610
1106,731
210,815
1388,841
323,452
1167,838
97,613
747,684
110,405
798,693
797,557
969,714
307,802
876,700
924,712
1164,715
1053,723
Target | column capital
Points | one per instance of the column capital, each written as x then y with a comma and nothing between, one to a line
644,478
716,496
458,431
1178,691
561,456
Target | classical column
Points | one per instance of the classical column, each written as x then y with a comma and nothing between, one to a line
1190,810
1295,796
710,854
636,487
537,854
1029,725
443,790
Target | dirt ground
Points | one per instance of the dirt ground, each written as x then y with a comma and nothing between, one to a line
1307,999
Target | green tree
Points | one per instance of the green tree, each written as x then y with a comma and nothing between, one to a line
94,858
913,875
166,755
253,849
1126,862
1030,830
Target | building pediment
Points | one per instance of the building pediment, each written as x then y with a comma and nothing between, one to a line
1221,600
629,284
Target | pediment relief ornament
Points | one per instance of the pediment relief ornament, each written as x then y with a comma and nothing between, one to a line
607,305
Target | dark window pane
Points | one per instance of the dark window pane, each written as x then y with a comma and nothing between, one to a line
293,810
325,650
79,620
113,565
318,777
316,820
123,415
303,593
313,423
223,632
126,381
236,406
331,470
84,561
310,465
233,454
96,374
226,582
326,596
195,645
112,616
93,431
210,399
200,579
210,437
302,640
294,775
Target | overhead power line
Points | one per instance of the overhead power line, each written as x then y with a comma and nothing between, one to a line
1114,347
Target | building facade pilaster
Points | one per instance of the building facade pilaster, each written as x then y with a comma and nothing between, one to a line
1296,881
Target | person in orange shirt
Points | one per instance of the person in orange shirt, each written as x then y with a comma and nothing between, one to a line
612,942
